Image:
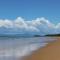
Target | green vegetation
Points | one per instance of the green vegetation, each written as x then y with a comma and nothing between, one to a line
53,35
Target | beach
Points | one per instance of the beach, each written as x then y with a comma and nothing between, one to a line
49,52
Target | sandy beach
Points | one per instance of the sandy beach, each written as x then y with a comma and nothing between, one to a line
50,52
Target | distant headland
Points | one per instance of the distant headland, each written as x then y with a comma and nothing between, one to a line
52,35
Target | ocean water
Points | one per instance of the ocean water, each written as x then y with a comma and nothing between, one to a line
15,48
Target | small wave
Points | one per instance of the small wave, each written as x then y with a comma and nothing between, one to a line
18,52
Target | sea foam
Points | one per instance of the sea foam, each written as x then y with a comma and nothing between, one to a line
19,52
12,49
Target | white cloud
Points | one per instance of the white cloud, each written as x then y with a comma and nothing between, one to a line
6,23
39,25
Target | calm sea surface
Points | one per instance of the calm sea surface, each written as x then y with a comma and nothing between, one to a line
12,48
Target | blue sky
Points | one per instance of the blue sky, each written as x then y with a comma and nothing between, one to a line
30,16
30,9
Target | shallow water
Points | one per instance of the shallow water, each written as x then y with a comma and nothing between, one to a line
14,48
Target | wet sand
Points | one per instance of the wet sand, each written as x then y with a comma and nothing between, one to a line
50,52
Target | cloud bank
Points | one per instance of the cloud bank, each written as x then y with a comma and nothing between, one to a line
37,26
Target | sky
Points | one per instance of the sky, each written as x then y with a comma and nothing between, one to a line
29,10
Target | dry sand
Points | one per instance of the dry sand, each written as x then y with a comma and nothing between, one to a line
50,52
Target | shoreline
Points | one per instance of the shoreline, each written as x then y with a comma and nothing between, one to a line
50,52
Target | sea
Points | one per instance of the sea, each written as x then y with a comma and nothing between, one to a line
14,48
